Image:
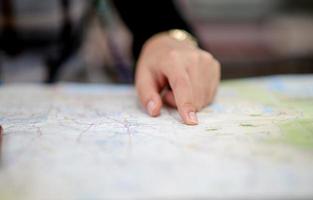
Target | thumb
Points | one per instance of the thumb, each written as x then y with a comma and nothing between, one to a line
147,89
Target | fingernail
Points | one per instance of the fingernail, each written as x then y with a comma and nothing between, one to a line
150,107
193,118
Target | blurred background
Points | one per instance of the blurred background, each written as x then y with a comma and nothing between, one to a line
249,37
256,37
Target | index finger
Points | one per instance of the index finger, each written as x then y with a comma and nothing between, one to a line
182,89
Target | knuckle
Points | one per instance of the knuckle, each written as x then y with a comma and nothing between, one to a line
171,58
187,105
194,57
173,55
193,61
207,56
179,82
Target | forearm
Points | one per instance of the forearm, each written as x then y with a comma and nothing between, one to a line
147,18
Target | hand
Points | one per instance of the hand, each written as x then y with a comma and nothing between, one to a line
191,73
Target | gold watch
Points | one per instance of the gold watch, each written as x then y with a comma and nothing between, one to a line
182,35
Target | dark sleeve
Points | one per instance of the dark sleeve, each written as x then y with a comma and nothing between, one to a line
145,18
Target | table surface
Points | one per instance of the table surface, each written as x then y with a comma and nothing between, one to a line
72,141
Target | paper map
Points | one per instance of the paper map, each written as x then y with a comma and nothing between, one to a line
86,141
